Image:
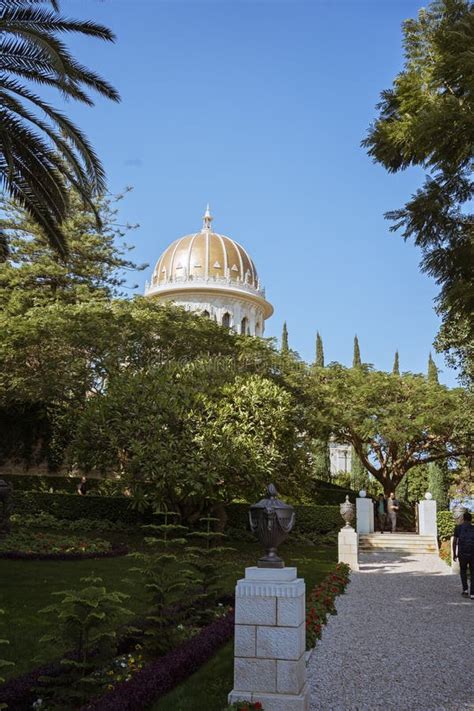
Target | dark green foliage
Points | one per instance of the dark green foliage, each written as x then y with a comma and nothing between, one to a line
446,525
284,339
167,578
432,371
85,621
356,361
416,483
206,556
319,362
4,662
42,151
396,364
359,474
321,460
438,483
73,506
426,119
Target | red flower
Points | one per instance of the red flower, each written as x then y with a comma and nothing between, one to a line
258,705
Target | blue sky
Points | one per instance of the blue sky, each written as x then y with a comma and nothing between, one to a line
259,107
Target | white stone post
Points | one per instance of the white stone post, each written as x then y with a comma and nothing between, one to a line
454,563
427,524
270,640
364,515
348,547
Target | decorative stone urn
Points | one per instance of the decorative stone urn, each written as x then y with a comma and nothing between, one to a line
458,513
347,512
271,520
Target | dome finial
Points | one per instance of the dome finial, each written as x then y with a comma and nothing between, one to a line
207,219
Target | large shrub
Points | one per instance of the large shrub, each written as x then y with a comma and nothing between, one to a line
446,524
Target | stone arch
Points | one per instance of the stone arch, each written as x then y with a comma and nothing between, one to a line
226,319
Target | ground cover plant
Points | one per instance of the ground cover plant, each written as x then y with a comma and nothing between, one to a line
28,542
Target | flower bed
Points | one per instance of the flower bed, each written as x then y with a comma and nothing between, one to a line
161,676
34,545
321,602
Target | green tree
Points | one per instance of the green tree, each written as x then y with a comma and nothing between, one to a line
432,371
426,119
42,151
438,483
393,422
321,460
396,365
319,351
284,339
356,361
359,476
196,433
34,275
167,578
86,621
207,558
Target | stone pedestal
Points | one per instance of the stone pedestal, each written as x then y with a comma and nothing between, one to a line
348,547
365,515
270,640
427,525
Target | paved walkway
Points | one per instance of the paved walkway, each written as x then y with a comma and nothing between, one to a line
402,639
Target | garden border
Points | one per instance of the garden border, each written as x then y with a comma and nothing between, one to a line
73,555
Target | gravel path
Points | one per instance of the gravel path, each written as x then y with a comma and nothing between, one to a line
402,639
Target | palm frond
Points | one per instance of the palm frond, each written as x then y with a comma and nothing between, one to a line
40,156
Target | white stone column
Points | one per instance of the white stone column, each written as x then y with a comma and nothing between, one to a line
270,640
365,515
348,547
454,563
427,525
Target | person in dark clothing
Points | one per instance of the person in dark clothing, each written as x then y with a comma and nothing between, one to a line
381,512
82,488
463,548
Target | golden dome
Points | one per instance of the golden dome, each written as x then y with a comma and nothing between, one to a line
205,255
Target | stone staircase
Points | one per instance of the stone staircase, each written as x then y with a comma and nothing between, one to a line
397,543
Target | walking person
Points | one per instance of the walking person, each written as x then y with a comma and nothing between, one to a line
381,512
463,548
393,506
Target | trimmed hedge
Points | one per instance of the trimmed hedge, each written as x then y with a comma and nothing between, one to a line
446,524
309,519
72,507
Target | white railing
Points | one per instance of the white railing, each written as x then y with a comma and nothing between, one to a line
198,281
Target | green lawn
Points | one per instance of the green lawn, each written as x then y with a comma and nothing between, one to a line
26,587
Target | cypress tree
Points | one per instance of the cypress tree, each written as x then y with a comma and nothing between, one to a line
356,361
321,460
396,365
432,370
438,483
319,351
359,475
284,339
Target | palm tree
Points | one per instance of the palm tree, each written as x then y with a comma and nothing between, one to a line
41,150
